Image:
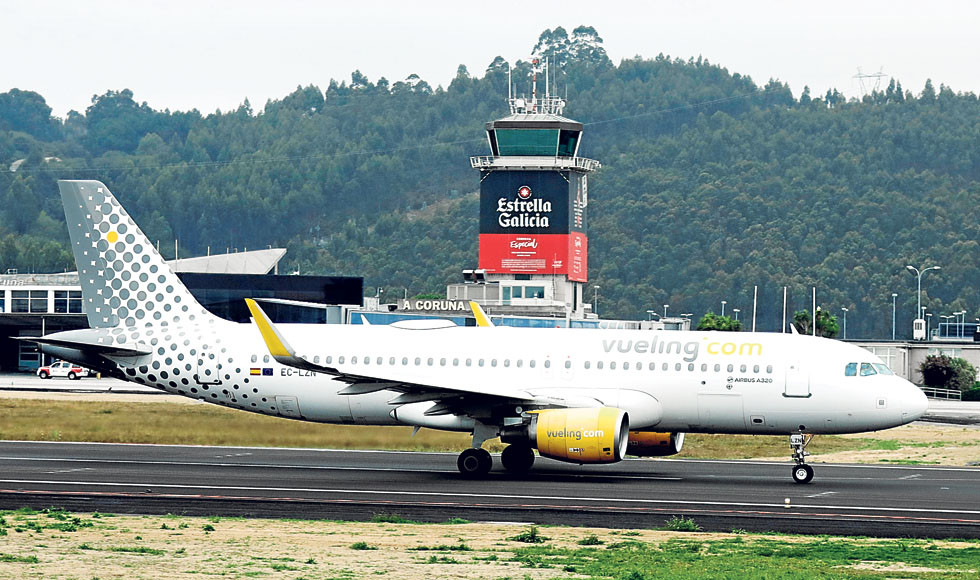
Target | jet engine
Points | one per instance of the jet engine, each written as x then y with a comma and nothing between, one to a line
652,444
581,435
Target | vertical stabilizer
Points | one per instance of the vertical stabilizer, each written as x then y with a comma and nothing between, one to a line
125,281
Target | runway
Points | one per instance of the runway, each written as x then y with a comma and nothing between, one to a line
356,485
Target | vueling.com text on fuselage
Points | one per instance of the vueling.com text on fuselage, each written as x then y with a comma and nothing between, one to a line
689,349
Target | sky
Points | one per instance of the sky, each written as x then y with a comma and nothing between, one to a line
209,54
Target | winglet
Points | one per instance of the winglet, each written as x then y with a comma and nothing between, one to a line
277,345
481,317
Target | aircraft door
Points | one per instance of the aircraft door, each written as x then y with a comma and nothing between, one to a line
721,411
797,380
208,368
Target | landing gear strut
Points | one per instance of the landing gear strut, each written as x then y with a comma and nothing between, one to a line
802,473
476,462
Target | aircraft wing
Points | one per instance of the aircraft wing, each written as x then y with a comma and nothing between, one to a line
449,398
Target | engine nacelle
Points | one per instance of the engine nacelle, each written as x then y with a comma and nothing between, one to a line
651,444
586,435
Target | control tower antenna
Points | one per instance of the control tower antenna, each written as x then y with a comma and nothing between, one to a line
548,104
862,77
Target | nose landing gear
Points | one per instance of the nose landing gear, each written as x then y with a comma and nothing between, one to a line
802,473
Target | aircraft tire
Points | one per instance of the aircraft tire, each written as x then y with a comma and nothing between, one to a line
517,458
802,473
474,463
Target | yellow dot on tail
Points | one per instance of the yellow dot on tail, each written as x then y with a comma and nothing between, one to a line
112,237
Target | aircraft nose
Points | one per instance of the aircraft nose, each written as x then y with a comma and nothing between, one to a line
914,402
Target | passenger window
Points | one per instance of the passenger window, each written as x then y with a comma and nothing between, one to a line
742,369
455,362
531,364
255,358
391,361
588,365
612,365
598,365
520,363
755,369
677,366
851,370
469,362
367,360
481,362
353,360
717,368
379,360
418,361
626,366
704,368
690,367
429,361
769,369
340,360
665,366
731,368
639,366
265,359
506,362
547,364
568,364
328,360
493,362
653,366
867,370
442,362
404,360
316,359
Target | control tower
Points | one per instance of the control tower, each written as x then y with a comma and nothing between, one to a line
534,198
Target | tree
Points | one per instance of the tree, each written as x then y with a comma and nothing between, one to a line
712,321
827,326
944,372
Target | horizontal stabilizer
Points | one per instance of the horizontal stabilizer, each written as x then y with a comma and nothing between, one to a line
86,341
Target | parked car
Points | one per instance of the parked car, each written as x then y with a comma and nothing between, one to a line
62,369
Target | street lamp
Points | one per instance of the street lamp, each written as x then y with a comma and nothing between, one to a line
845,322
960,322
919,275
736,311
595,300
650,314
723,303
666,306
928,324
894,296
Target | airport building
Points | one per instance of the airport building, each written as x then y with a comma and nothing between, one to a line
39,304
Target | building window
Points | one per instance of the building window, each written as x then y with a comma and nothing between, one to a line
534,292
517,292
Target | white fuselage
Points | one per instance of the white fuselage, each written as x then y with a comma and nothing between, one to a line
713,382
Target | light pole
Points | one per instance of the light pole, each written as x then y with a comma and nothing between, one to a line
928,323
845,322
723,303
894,296
919,274
595,300
650,314
960,322
736,311
666,306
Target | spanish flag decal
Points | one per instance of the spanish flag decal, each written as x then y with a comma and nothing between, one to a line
254,371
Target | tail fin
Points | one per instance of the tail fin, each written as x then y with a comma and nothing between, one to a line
125,281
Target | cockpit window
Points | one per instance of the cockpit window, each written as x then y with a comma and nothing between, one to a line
851,370
883,369
867,370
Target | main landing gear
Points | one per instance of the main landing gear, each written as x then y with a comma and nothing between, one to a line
476,462
802,473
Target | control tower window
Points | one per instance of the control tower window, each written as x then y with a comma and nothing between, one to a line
527,141
567,142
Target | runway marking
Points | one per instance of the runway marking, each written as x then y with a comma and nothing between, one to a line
382,451
825,493
76,470
314,467
913,476
616,500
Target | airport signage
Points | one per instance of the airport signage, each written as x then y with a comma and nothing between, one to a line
435,305
556,254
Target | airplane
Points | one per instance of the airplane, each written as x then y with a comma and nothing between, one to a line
581,396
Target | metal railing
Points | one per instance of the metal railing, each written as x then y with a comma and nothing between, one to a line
533,161
934,393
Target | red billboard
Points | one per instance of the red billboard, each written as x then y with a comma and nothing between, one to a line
565,254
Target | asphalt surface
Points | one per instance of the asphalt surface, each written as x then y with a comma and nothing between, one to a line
354,485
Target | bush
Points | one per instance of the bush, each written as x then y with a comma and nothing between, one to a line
971,394
941,371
